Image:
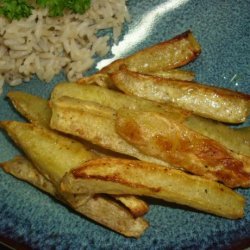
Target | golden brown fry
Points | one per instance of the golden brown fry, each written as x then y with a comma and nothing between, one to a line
94,123
136,206
237,140
118,176
51,153
212,102
34,108
99,208
164,138
38,143
114,99
112,215
156,60
37,110
170,54
23,169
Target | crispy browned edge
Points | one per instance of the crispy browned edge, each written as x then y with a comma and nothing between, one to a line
116,64
234,172
79,173
224,92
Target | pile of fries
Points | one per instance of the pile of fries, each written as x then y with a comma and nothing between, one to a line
139,127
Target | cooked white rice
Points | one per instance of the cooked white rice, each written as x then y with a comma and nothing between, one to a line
43,45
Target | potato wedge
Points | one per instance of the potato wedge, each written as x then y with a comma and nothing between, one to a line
118,176
38,143
93,123
37,111
169,54
237,140
113,99
23,169
110,214
173,142
155,60
34,108
212,102
99,208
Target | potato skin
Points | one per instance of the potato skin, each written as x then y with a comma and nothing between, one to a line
53,155
169,54
211,102
119,176
173,142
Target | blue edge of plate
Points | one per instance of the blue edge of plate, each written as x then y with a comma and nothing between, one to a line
31,217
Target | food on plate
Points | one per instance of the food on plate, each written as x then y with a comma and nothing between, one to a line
14,9
151,136
116,100
235,139
58,7
23,169
212,102
118,176
95,148
101,209
160,59
37,111
38,143
33,108
44,45
109,213
169,54
164,138
94,123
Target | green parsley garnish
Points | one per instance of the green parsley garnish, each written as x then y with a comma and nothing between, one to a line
17,9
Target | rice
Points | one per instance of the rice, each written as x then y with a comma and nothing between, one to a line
43,45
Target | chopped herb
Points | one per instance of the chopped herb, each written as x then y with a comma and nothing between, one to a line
17,9
78,6
55,7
